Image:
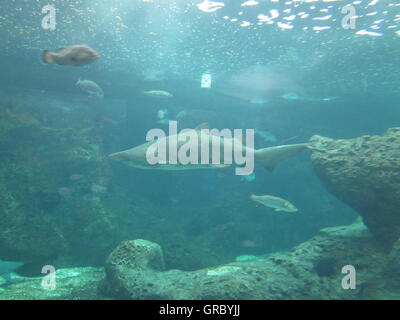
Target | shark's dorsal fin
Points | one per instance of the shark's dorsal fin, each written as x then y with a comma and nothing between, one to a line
204,125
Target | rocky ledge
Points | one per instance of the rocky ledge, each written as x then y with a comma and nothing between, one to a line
70,284
312,270
365,174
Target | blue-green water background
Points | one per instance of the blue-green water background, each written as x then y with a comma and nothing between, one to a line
205,213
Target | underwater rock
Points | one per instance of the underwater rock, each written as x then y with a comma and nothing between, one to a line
138,254
71,284
364,173
311,270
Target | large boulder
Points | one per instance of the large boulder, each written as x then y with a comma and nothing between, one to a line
312,270
365,174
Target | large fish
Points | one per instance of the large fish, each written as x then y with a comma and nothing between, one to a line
268,157
75,55
276,203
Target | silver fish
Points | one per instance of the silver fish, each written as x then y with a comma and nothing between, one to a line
161,94
276,203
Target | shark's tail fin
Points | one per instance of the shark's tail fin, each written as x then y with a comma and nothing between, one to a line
270,157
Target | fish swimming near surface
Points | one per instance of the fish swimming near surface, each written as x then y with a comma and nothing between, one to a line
6,267
75,55
268,157
91,87
276,203
160,94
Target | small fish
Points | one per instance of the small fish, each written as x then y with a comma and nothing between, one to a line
6,267
75,55
64,191
259,101
161,114
98,188
161,94
75,177
248,244
91,87
109,121
276,203
294,96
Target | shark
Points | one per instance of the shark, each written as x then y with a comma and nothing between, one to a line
269,157
6,267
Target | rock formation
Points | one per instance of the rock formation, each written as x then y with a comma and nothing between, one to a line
312,270
365,174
